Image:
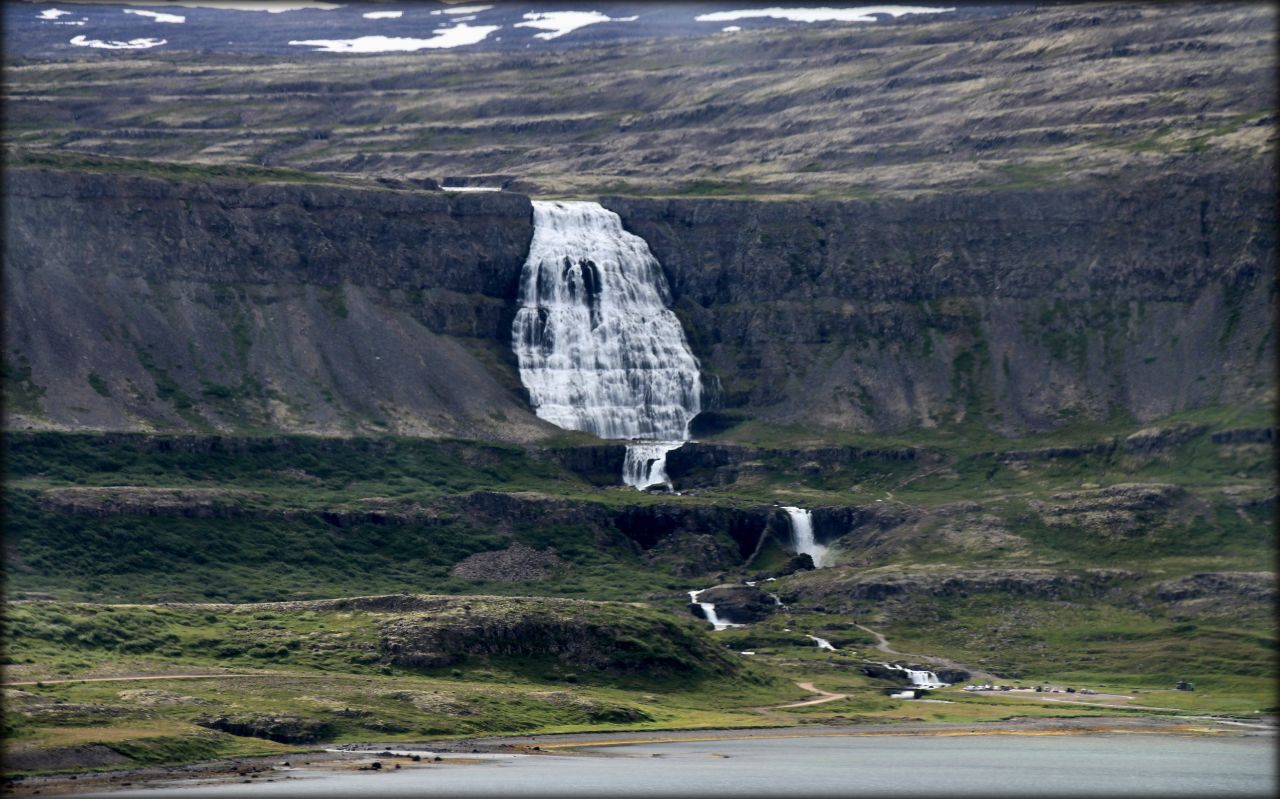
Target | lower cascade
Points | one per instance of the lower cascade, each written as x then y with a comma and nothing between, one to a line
919,678
709,612
598,348
646,464
802,540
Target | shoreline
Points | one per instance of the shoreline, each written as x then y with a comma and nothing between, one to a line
274,768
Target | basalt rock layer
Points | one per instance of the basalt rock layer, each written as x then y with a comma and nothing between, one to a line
135,303
1021,308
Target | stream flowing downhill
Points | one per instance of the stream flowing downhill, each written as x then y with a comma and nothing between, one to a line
919,678
598,348
802,540
709,613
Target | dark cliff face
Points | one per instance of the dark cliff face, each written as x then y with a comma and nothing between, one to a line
136,303
1020,308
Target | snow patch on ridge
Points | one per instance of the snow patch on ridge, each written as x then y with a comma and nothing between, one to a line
444,38
132,44
461,10
158,16
823,14
559,23
269,6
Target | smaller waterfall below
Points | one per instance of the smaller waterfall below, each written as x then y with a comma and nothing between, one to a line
802,540
919,679
821,642
646,463
709,611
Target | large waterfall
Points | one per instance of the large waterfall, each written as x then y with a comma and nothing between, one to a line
802,540
597,346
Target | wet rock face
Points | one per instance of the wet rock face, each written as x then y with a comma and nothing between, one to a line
649,524
952,676
879,672
740,604
601,465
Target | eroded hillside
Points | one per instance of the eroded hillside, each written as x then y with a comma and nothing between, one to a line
1040,96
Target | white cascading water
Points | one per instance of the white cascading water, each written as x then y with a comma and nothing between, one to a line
646,464
821,642
919,679
597,346
802,536
709,612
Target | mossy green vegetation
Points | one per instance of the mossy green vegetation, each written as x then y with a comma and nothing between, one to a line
16,157
288,678
1106,645
304,674
171,519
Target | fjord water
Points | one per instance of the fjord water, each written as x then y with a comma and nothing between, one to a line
598,348
874,765
802,540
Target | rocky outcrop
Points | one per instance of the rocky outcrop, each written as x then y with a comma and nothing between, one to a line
589,636
1245,435
196,503
740,604
515,564
879,671
1155,439
1115,510
703,464
1040,583
648,524
600,465
1054,453
1260,586
285,728
88,756
693,554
